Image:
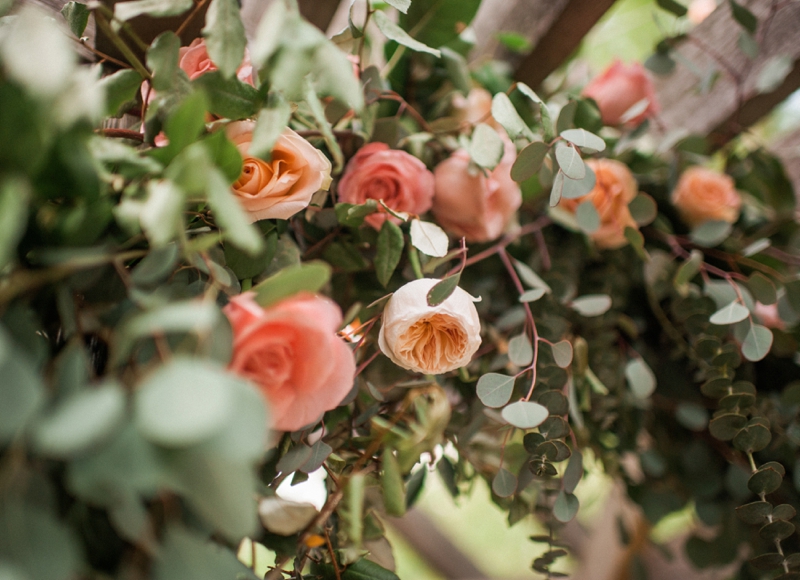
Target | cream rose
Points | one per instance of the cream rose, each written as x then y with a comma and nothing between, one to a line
614,189
704,195
281,187
429,339
619,88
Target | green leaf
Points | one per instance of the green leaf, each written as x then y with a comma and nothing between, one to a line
754,513
531,278
752,438
725,427
784,511
439,23
532,295
268,35
776,531
228,97
562,353
389,251
184,402
334,77
692,416
744,17
762,288
757,343
120,89
660,63
566,117
730,314
224,154
524,414
365,569
162,59
575,188
355,500
591,304
393,32
486,147
15,194
184,125
570,162
504,483
442,290
401,5
394,493
158,8
565,507
514,42
429,238
529,161
556,403
319,453
520,351
773,73
307,277
641,378
672,6
643,209
21,390
272,121
494,390
81,421
230,215
457,69
506,114
318,111
187,555
77,17
573,472
296,457
587,141
748,45
224,33
689,268
587,217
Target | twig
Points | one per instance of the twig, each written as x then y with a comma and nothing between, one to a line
122,134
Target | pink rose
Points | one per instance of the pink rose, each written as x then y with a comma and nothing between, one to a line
475,108
699,10
195,62
472,204
614,189
281,187
704,195
768,315
619,88
291,351
376,172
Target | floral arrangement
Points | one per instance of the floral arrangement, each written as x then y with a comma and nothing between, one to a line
344,254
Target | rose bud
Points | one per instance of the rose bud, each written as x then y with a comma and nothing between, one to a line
281,187
704,195
291,351
618,89
429,339
376,172
614,189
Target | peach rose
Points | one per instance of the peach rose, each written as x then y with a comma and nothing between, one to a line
291,351
429,339
619,88
376,172
281,187
704,195
699,10
614,189
469,203
475,108
195,62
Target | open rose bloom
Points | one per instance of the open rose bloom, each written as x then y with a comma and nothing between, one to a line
473,204
618,89
399,179
704,195
283,186
614,189
429,339
291,351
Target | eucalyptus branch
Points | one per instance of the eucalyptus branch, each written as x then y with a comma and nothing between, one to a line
121,45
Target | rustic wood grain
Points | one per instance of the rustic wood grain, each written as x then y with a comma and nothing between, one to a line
733,102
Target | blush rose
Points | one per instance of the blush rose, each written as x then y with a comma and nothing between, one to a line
475,108
429,339
614,189
401,180
472,204
704,194
281,187
291,351
619,88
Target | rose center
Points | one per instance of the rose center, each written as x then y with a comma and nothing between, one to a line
433,342
271,366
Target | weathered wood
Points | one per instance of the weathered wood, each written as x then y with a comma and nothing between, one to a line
529,18
733,103
563,36
787,149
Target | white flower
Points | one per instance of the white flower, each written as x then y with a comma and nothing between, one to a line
429,339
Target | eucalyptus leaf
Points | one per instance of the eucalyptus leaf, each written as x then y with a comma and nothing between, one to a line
77,16
520,351
641,378
504,483
591,304
524,414
306,277
529,161
587,217
743,16
442,290
587,141
643,209
773,73
162,59
710,233
486,147
506,114
429,238
15,194
532,295
531,278
158,8
562,353
393,32
757,343
230,215
570,162
271,122
730,314
389,251
565,507
575,188
394,493
574,472
401,5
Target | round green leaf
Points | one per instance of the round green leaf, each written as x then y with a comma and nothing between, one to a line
494,390
730,314
592,304
641,378
590,142
562,353
692,416
570,162
767,561
429,238
752,438
643,209
524,414
725,427
184,402
520,351
504,483
765,480
587,217
565,506
784,511
574,472
757,343
506,114
710,234
762,288
486,147
776,531
554,428
555,401
532,295
529,161
754,513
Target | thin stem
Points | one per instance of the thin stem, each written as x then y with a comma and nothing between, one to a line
121,45
102,55
122,134
188,19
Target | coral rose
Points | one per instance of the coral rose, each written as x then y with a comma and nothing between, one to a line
291,351
376,172
475,108
618,89
429,339
472,204
195,62
281,187
704,195
614,189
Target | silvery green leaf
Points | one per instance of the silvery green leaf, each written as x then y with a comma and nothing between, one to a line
429,238
393,32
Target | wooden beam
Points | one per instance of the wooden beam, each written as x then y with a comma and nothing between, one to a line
787,149
734,102
577,17
318,12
